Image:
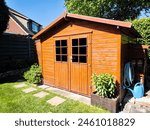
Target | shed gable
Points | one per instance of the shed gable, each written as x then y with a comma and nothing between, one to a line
104,41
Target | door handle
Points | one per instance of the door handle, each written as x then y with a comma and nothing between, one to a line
71,58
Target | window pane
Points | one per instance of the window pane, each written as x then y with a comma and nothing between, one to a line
74,50
64,50
57,50
83,50
63,42
82,59
74,42
57,43
35,27
74,58
82,41
58,58
64,58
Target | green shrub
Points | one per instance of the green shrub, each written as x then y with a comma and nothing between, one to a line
33,75
104,84
143,27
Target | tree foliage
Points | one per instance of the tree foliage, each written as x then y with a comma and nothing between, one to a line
4,16
143,27
112,9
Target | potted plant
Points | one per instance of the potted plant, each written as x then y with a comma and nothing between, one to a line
105,92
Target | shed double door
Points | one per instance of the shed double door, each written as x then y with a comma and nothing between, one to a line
72,63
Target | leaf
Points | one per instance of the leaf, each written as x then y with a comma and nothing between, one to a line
112,9
104,84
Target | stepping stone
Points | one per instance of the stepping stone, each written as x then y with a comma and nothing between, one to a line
43,86
35,85
28,90
41,94
56,101
20,85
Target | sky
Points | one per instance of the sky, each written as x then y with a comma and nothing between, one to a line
41,11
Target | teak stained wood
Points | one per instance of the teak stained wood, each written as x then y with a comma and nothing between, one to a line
61,75
103,55
79,71
73,76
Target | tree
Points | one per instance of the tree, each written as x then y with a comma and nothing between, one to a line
4,16
112,9
143,27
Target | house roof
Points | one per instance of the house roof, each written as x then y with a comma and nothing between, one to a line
127,25
14,13
21,25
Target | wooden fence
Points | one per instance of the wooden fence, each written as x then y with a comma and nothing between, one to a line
16,51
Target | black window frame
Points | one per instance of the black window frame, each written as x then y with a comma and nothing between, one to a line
77,55
61,46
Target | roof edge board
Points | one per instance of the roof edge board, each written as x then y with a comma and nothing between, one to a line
101,20
87,18
49,26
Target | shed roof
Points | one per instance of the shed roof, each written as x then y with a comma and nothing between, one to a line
126,25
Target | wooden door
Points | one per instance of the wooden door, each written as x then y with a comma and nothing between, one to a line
73,64
61,64
80,64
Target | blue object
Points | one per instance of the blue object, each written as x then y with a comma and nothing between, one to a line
128,75
138,90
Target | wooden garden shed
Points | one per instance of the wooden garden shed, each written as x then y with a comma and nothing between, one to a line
73,47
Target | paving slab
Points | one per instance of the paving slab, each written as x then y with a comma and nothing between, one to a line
55,101
43,86
20,85
28,90
70,95
41,94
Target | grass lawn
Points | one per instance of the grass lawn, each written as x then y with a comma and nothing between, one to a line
13,100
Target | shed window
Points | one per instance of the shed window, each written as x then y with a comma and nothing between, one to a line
82,41
74,58
57,43
61,50
79,50
74,42
74,50
82,59
63,43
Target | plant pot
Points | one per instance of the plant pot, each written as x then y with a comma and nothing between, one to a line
110,104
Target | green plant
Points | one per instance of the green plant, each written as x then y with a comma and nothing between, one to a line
143,27
112,9
13,100
104,84
4,16
33,75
